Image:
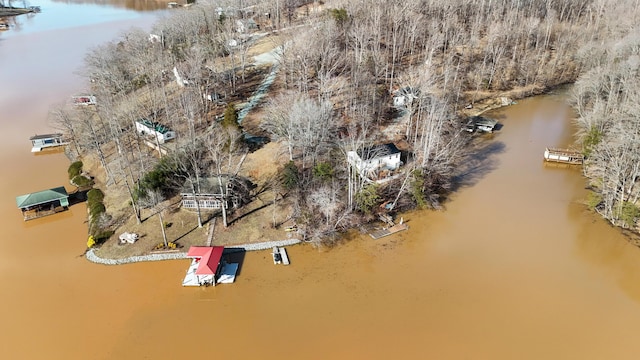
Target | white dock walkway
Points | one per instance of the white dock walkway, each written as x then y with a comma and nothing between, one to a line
285,257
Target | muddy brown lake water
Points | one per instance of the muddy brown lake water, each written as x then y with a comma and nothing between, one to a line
513,268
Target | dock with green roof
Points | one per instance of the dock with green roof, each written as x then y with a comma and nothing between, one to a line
43,203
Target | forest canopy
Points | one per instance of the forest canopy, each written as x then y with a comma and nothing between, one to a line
337,69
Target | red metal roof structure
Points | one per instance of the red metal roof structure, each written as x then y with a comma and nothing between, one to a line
209,258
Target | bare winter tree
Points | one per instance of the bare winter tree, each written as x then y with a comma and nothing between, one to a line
156,201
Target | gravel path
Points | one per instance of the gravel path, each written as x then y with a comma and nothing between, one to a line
91,255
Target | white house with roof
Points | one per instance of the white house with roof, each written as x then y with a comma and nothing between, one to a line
161,132
405,96
376,162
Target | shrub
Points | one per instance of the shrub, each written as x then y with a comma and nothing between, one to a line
323,171
95,209
82,181
95,195
289,176
170,245
593,200
230,119
339,15
97,212
101,236
629,213
591,140
367,198
417,188
74,169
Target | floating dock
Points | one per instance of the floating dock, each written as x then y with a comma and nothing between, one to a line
564,156
280,256
45,141
284,256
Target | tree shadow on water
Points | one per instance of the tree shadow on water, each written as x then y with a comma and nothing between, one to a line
477,165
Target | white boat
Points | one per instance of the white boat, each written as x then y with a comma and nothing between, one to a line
277,258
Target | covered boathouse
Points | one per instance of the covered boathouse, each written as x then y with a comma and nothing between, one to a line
43,203
39,142
208,268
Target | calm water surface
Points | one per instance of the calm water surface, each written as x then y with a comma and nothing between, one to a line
515,268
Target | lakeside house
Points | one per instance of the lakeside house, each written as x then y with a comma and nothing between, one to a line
377,162
209,194
208,267
43,203
39,142
161,132
404,97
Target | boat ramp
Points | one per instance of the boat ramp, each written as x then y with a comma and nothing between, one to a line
564,156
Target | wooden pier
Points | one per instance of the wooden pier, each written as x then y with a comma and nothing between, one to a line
391,228
388,231
564,156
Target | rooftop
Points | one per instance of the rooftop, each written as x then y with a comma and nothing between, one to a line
46,136
376,151
43,197
209,185
154,125
209,256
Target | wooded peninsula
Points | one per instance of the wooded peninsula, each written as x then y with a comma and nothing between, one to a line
320,116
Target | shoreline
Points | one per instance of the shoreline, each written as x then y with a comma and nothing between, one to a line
92,257
11,11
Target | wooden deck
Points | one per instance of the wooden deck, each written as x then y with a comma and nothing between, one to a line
388,231
35,214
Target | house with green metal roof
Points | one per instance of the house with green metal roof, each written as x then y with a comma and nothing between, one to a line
43,203
161,132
